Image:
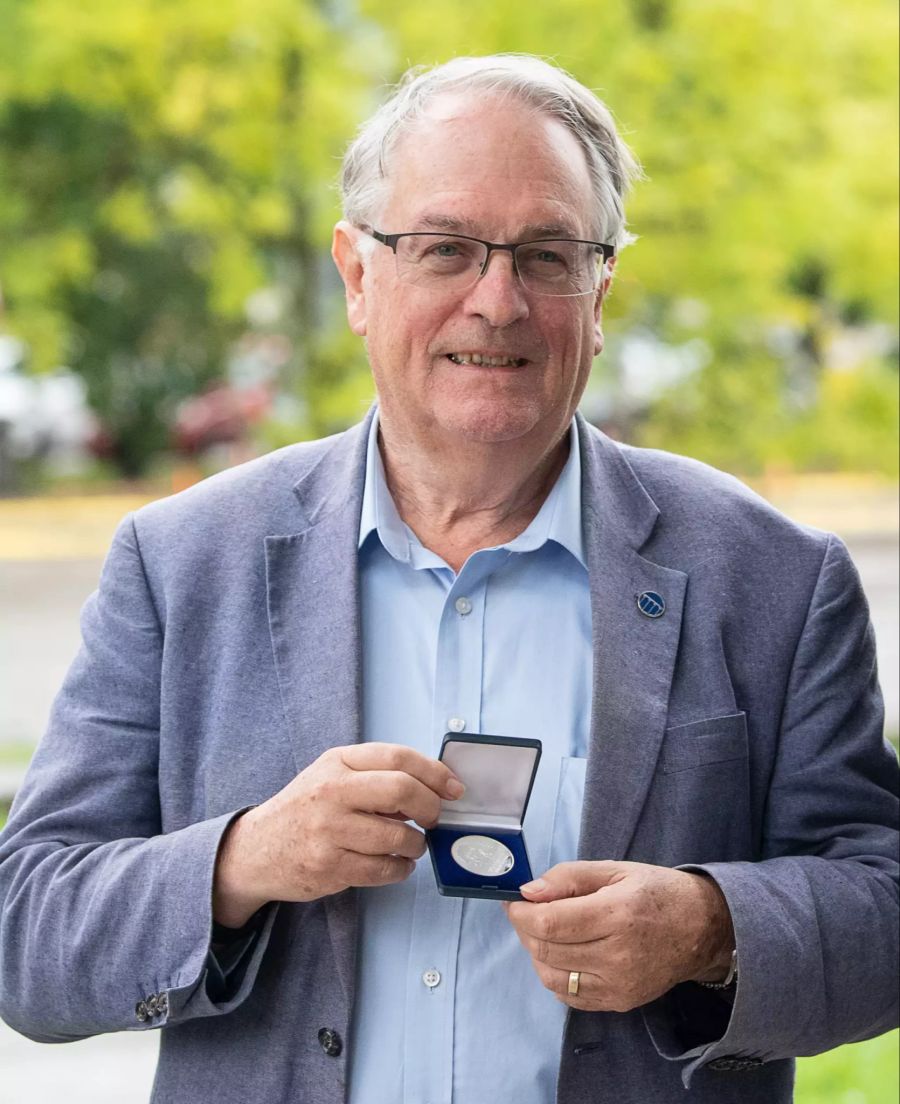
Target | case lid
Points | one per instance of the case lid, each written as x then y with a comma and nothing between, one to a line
498,773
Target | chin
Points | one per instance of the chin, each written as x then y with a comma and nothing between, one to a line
488,422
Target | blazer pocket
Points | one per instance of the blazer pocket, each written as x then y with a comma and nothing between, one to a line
700,743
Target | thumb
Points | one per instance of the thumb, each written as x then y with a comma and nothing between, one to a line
574,879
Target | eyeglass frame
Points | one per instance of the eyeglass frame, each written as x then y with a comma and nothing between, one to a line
390,240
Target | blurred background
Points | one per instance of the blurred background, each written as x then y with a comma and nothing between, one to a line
168,305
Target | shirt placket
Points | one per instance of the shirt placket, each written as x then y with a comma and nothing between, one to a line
437,920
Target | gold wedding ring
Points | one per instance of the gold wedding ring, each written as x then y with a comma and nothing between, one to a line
574,979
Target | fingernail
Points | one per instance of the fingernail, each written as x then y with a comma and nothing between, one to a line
533,887
455,788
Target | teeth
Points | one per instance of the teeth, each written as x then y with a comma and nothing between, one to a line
477,358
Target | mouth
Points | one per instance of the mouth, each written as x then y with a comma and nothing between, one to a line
487,361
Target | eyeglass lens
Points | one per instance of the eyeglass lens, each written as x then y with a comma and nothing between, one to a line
544,267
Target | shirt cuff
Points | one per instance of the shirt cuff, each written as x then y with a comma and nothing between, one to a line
231,950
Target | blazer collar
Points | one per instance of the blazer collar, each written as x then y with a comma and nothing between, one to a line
611,491
335,481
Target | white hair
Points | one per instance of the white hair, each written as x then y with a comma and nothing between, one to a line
533,81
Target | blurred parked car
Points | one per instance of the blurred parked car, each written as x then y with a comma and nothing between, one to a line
221,415
41,417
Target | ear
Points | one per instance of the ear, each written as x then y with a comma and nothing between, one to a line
350,265
602,292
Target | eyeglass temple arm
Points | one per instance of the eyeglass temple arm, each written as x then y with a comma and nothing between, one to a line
389,240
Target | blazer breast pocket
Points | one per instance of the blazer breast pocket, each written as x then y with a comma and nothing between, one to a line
699,808
702,743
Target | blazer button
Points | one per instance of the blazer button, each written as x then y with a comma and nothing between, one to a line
330,1042
733,1065
142,1011
162,1004
151,1004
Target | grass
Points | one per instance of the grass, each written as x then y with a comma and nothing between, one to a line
16,753
863,1073
78,527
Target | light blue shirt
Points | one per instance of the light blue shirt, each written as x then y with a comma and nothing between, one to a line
448,1008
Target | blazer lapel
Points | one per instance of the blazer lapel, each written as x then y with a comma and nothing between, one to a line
312,589
634,655
313,597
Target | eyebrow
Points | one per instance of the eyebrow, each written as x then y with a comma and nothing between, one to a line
451,225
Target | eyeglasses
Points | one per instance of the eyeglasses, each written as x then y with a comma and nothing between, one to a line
453,262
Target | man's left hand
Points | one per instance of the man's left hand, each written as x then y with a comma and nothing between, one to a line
630,929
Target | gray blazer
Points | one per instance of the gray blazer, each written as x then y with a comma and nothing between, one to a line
741,730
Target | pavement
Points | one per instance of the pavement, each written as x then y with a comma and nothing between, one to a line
108,1069
50,560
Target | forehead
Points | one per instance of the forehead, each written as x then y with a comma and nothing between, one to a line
489,166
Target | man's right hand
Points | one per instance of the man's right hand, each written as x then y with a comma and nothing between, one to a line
339,823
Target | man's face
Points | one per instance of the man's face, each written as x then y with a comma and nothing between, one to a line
495,170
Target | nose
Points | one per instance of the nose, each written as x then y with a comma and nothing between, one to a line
498,296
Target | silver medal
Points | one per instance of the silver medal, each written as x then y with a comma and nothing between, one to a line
482,855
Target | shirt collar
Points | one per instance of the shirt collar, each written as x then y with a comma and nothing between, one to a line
559,518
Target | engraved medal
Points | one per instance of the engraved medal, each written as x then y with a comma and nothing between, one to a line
482,855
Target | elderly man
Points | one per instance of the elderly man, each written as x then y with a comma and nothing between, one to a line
218,834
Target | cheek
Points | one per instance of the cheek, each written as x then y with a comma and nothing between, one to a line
573,340
405,326
401,333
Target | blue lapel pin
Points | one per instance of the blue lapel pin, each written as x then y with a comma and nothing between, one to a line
651,604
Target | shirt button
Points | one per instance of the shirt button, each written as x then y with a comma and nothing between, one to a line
456,724
330,1042
431,978
463,606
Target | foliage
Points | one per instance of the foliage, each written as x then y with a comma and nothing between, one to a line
731,417
161,163
768,225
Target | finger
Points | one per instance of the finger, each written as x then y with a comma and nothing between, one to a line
576,879
564,956
367,834
592,995
376,756
572,920
369,870
388,792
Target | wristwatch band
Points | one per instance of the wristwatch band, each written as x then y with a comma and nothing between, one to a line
729,979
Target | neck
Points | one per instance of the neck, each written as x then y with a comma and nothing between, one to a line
459,500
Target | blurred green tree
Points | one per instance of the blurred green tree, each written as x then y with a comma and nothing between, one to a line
160,162
769,223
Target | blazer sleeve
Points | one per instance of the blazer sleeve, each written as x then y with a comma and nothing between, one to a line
105,921
816,919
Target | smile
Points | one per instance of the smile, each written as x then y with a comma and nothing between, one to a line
489,361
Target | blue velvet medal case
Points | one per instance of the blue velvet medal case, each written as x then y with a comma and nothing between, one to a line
498,773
